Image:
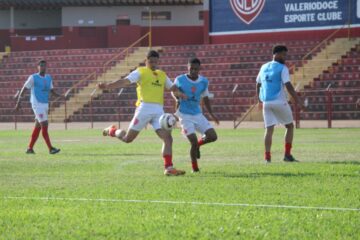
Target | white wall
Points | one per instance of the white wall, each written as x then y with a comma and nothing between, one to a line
105,16
100,16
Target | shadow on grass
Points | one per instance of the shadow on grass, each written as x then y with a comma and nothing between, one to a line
112,154
274,174
257,175
344,162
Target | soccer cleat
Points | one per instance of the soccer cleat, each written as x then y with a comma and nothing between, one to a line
120,133
173,172
106,131
198,153
267,161
30,151
196,170
289,158
54,150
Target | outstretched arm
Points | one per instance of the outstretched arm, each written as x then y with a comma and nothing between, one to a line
209,109
121,83
176,93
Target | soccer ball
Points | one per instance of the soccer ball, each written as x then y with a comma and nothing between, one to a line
167,121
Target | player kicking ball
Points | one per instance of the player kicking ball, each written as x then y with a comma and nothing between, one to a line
41,86
272,78
151,83
195,87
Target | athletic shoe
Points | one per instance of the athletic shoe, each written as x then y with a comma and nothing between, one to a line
267,161
54,150
173,172
196,170
30,151
289,158
106,131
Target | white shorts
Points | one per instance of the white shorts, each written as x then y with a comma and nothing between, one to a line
191,123
147,113
277,113
41,111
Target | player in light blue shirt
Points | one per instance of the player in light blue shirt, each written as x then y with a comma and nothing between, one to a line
195,87
41,86
272,78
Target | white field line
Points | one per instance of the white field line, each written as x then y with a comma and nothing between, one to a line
182,203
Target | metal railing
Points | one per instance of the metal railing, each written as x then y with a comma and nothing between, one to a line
328,94
324,104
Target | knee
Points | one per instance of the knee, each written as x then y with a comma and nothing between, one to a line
194,143
290,126
269,132
168,140
44,124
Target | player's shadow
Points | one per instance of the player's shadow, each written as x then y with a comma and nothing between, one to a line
112,154
273,174
257,174
344,162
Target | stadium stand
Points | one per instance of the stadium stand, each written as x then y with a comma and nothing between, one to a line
343,79
224,64
85,48
67,67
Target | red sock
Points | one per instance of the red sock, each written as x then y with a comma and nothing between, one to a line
200,142
267,155
288,149
46,137
112,131
34,136
195,166
168,161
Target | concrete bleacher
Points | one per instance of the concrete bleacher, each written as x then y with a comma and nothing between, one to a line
224,64
67,67
344,81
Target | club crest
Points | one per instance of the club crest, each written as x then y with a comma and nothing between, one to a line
247,10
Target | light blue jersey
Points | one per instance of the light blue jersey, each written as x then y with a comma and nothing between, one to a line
40,88
194,90
271,77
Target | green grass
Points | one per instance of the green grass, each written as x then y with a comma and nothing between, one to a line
232,171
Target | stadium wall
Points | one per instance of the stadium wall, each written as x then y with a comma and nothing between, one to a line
4,39
95,27
107,16
223,22
101,37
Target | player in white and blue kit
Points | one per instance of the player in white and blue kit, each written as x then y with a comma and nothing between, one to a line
41,86
272,78
195,87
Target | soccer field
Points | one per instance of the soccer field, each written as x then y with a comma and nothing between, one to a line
100,188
